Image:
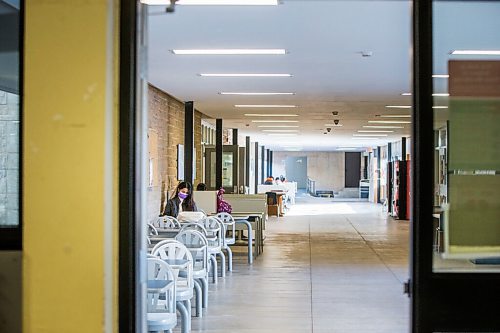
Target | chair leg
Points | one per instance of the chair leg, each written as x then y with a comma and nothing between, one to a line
185,319
214,269
229,259
204,283
222,264
198,291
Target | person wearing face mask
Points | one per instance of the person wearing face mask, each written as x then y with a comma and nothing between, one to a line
181,201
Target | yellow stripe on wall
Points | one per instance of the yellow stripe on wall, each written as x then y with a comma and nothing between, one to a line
70,125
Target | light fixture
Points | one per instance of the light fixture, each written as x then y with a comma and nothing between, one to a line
347,148
357,138
244,75
256,93
334,125
373,135
281,131
394,116
275,121
376,126
440,94
213,2
398,106
282,134
278,126
440,76
439,107
476,52
270,115
389,122
375,131
229,51
406,94
264,106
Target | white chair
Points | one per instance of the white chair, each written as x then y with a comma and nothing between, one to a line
179,258
193,226
171,222
152,230
229,226
215,230
197,244
161,315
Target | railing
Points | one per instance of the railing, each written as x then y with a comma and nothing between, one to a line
311,186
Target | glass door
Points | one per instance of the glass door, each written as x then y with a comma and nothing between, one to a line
229,168
456,208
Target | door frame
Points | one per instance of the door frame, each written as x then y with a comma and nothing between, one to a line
440,302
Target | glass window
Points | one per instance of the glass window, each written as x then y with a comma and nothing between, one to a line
466,51
9,112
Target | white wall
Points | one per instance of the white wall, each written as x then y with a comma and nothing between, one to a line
326,168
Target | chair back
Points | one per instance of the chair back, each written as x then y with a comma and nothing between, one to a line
152,230
172,249
171,222
214,227
194,226
272,198
229,225
197,244
160,270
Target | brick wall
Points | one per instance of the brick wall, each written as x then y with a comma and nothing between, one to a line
166,119
9,158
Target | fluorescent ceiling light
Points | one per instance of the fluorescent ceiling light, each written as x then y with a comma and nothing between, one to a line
374,126
476,52
256,93
270,115
228,2
435,94
398,106
245,75
395,116
440,76
282,134
230,51
389,122
439,107
374,135
375,131
334,125
347,148
280,131
264,106
356,138
278,126
275,121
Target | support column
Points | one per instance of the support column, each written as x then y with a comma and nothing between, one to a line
188,141
268,168
263,163
256,166
235,136
389,152
247,161
218,154
403,149
379,166
271,163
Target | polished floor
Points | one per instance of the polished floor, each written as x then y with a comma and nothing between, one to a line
328,266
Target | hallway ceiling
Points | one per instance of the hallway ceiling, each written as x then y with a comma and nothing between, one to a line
350,57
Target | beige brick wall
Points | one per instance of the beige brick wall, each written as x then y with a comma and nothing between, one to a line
166,118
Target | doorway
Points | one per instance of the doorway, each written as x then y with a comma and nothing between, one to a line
352,169
296,170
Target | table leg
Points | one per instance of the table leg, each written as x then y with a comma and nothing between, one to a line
250,240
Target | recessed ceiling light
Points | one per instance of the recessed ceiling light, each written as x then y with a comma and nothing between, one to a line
270,115
398,106
244,75
440,94
440,76
334,125
395,116
406,94
275,121
439,107
375,131
389,122
278,126
264,106
281,131
230,51
376,126
256,93
476,52
374,135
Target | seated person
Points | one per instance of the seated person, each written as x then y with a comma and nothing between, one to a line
269,180
201,187
277,181
182,200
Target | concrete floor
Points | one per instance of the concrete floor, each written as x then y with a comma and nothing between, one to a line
328,266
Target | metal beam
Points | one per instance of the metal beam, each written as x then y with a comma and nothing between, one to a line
218,154
188,141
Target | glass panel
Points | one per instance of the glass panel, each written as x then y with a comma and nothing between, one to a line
9,113
227,169
467,145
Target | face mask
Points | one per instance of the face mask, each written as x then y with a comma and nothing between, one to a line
182,195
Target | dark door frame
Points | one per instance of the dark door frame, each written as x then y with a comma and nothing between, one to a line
440,302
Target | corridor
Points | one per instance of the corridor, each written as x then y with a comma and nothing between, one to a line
328,266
